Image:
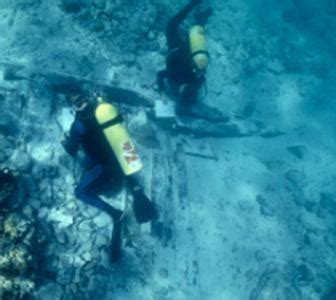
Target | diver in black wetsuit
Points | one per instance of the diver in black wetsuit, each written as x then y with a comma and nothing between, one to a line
185,68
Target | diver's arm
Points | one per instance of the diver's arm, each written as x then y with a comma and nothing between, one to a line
71,140
182,14
161,76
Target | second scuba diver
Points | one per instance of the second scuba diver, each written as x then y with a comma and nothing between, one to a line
187,59
98,129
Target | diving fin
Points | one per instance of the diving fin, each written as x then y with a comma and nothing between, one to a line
144,209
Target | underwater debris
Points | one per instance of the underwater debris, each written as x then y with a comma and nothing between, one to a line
298,151
63,83
8,185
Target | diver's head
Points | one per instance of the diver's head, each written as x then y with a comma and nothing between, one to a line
79,101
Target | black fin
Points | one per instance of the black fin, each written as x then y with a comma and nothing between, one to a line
144,209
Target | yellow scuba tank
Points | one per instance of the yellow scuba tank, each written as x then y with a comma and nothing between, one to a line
198,47
110,122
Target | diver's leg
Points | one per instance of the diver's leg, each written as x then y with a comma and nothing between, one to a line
84,191
187,97
190,106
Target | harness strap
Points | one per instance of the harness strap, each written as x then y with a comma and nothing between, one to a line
171,51
200,52
116,120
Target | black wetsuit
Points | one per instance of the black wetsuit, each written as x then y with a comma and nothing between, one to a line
179,65
102,164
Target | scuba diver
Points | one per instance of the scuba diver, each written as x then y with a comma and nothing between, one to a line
110,154
187,59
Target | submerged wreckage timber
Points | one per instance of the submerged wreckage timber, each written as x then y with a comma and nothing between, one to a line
194,124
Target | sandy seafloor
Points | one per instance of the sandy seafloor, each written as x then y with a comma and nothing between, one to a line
243,214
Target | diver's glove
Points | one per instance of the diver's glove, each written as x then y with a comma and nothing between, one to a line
69,146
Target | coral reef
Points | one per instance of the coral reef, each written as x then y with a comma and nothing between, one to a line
18,257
